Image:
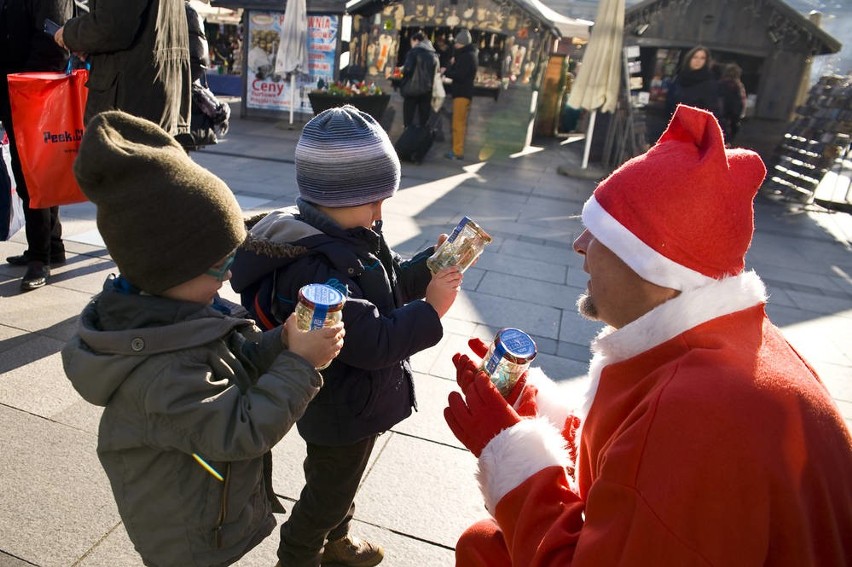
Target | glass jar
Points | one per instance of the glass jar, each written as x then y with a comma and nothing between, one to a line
461,248
319,306
508,357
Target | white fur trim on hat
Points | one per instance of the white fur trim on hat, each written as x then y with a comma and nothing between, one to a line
644,260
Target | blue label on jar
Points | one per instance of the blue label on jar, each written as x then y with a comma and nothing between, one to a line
459,227
318,319
496,357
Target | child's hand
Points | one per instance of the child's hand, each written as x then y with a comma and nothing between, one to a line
318,347
441,238
443,289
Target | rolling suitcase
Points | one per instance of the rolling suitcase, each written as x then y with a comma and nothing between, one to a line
414,143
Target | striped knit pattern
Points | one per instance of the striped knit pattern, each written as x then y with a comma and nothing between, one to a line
345,159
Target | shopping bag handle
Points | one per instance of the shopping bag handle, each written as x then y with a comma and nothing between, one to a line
75,62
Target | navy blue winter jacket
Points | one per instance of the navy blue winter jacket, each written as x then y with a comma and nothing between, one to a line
368,387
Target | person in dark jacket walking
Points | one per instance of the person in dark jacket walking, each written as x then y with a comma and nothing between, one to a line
194,398
208,116
24,46
139,56
418,74
695,85
732,93
462,71
334,236
199,49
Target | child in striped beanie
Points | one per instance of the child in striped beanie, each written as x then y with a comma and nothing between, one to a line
346,167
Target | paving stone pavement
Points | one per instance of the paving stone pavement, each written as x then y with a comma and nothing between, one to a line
419,491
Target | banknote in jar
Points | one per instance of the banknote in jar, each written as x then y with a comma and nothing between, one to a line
461,248
508,357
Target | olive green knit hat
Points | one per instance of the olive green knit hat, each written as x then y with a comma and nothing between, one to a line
164,218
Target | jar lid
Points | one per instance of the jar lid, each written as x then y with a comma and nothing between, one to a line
517,346
321,295
469,222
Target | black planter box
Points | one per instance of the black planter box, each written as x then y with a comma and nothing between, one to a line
374,105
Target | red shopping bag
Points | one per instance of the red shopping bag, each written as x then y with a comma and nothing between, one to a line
47,113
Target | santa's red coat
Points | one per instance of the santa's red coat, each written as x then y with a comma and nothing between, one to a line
705,440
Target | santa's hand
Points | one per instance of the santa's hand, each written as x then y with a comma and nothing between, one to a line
462,361
523,397
466,369
481,415
478,347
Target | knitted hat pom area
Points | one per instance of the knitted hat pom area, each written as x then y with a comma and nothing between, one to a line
680,215
344,158
164,219
463,37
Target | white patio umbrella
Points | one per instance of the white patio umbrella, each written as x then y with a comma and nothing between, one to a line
599,78
292,50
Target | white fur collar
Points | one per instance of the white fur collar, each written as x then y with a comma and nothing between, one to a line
689,309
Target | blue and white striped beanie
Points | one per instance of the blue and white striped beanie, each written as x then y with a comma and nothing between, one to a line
345,159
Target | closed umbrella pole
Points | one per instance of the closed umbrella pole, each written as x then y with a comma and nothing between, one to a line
588,145
292,50
599,78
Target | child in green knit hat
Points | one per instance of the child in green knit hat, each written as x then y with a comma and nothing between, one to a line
193,398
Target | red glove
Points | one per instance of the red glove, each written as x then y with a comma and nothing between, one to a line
524,397
478,347
466,369
481,415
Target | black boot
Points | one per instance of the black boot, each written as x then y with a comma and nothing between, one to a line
24,259
36,276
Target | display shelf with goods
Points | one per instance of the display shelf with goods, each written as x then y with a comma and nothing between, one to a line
817,140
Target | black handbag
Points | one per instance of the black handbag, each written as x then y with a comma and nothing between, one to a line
420,81
209,118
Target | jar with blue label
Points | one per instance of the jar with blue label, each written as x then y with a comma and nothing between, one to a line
319,306
461,248
508,357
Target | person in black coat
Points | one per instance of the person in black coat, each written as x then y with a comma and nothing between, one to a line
418,73
24,46
392,311
732,94
462,71
696,84
199,49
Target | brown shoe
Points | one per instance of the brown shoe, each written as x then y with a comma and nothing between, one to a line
353,552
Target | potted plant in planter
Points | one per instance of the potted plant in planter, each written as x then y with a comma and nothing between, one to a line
366,97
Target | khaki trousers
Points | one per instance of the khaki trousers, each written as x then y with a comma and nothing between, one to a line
461,110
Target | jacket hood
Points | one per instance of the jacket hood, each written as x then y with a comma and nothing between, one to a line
426,45
118,331
270,245
285,235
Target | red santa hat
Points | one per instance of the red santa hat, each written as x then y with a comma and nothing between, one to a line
681,215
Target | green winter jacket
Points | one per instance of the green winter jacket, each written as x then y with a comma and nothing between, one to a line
177,379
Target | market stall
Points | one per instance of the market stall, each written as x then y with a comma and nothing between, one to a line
771,42
515,39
